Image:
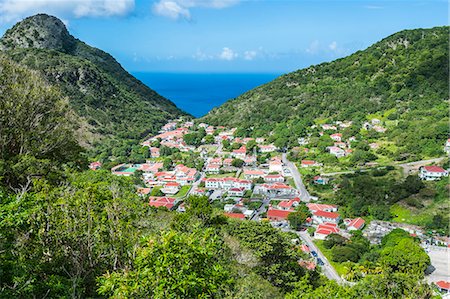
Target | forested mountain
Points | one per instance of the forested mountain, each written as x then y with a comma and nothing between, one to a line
108,100
406,73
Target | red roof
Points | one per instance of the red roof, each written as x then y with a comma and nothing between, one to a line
305,248
167,202
235,215
445,285
289,203
308,162
327,228
434,168
320,207
172,184
326,214
272,213
357,223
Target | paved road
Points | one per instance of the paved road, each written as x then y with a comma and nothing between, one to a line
304,194
327,269
261,209
407,167
410,167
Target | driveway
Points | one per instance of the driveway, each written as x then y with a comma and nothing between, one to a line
440,260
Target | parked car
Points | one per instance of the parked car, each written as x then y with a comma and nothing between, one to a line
313,253
320,262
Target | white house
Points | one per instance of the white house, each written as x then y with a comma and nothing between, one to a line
447,146
267,148
324,216
236,192
336,137
212,168
275,165
432,173
171,188
251,174
274,178
337,151
227,183
325,229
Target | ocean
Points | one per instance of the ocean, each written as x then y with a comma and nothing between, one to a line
198,93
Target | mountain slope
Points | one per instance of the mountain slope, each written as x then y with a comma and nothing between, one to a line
407,71
108,99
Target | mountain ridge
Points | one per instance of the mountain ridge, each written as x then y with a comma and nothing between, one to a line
406,71
111,102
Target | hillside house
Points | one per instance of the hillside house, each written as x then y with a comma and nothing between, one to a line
432,173
171,188
274,178
239,153
336,137
309,163
354,224
267,148
251,174
167,202
275,165
325,229
227,183
95,165
277,215
337,151
324,217
237,192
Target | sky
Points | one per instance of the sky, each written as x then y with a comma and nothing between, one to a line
251,36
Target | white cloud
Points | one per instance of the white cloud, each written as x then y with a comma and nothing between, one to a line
171,9
313,47
227,54
250,55
12,10
175,9
333,46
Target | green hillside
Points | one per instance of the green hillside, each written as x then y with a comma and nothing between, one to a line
109,101
403,78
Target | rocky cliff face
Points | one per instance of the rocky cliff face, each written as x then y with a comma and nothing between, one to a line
39,32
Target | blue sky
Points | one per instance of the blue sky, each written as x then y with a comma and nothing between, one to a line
229,35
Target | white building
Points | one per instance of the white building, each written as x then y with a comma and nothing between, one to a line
432,173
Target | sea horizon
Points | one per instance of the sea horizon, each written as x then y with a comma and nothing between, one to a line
198,93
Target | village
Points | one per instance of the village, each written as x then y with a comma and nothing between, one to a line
252,180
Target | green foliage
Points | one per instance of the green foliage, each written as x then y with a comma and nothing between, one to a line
112,105
277,261
36,128
237,163
174,265
406,71
56,241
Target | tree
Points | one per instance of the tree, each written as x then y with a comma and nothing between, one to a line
237,163
297,219
209,139
406,257
193,267
36,128
342,254
334,240
167,163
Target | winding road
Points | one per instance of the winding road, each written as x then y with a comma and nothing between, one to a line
304,194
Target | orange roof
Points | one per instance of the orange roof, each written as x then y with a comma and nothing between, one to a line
326,214
434,168
278,213
235,215
445,285
357,223
167,202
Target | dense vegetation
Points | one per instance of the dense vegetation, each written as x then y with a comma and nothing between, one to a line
109,101
404,78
